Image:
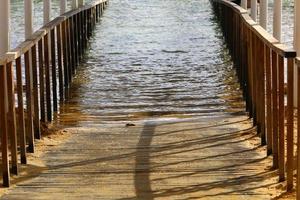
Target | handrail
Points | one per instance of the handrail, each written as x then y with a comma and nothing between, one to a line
40,33
49,60
262,63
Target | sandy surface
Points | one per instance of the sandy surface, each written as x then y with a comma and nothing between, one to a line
158,158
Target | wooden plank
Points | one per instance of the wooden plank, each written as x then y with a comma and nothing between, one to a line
21,118
275,108
290,124
29,103
281,150
298,134
47,78
36,120
42,81
269,100
53,67
11,118
3,128
59,62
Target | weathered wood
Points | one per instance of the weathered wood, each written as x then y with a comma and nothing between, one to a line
29,102
42,81
11,118
269,101
36,118
275,108
53,67
298,135
290,124
3,128
47,78
281,150
21,118
60,62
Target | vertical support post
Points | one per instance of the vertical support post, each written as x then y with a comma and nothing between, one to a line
21,117
281,147
244,4
74,4
4,24
263,10
81,2
3,128
63,6
254,10
47,11
290,124
28,18
29,102
296,44
11,118
277,19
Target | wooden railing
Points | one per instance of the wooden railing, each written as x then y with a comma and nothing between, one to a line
45,63
262,64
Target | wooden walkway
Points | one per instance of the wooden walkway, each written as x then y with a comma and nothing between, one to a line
202,158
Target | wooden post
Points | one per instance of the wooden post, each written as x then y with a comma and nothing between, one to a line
4,24
269,101
275,108
62,6
296,44
47,11
59,62
263,18
29,102
81,2
254,10
12,132
277,19
36,120
290,124
3,128
53,67
28,6
244,4
281,150
42,81
47,77
21,121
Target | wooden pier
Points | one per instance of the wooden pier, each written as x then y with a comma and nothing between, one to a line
179,159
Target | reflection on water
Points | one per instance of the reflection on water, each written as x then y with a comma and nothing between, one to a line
151,58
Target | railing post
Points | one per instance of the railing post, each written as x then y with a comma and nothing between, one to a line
263,18
81,2
277,19
62,6
74,4
296,43
28,6
3,128
47,11
244,4
4,24
254,10
290,124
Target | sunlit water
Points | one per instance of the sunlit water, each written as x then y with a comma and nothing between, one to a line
150,58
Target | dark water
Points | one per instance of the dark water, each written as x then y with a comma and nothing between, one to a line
152,58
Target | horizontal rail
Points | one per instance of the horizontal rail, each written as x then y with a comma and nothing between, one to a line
262,63
39,72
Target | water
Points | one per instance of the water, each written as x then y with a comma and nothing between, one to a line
150,58
153,58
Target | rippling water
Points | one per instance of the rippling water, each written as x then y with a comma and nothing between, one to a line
156,57
151,58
